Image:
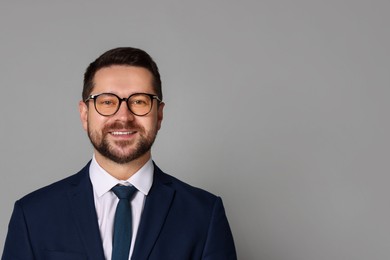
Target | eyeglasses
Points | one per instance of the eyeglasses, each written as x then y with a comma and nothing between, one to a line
107,104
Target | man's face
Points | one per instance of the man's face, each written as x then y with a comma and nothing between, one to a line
122,137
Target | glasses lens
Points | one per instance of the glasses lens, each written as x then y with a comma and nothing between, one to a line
107,104
140,104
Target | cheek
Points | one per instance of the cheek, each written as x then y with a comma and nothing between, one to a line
94,123
148,124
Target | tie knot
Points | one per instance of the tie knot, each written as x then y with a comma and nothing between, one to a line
124,192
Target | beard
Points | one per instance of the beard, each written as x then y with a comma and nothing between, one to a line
116,150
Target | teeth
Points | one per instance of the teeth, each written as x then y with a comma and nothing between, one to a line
122,133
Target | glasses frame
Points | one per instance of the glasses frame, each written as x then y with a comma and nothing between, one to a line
151,96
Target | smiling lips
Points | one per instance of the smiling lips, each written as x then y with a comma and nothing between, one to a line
122,133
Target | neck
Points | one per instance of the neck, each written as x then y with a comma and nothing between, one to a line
122,171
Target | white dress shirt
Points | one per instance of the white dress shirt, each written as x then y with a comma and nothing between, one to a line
106,201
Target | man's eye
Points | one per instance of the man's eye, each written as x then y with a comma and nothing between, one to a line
107,102
139,102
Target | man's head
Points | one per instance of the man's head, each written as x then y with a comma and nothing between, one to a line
122,56
121,108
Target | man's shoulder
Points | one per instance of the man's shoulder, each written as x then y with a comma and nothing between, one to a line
189,202
183,189
56,189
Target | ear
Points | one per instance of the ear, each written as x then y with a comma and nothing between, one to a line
160,114
83,109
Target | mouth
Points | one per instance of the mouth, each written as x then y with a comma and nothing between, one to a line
121,133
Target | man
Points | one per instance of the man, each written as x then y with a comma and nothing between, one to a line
84,215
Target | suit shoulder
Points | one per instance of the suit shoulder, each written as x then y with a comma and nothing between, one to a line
55,189
186,191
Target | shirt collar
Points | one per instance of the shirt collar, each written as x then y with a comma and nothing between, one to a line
102,181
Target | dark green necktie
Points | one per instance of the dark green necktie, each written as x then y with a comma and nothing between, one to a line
123,223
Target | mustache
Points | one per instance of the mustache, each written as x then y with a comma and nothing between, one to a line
117,125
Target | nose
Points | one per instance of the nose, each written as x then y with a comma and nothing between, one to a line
123,112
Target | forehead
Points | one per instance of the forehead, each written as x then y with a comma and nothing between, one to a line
123,80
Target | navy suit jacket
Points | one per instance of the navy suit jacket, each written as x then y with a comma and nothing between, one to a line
59,222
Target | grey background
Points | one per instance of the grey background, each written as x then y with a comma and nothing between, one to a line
280,107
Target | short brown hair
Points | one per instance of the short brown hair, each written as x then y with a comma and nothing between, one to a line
122,56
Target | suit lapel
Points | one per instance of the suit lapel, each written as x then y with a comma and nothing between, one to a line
83,208
155,211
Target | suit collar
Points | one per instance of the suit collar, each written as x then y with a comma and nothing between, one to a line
83,209
155,211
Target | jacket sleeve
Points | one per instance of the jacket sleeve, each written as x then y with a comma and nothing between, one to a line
17,244
219,243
